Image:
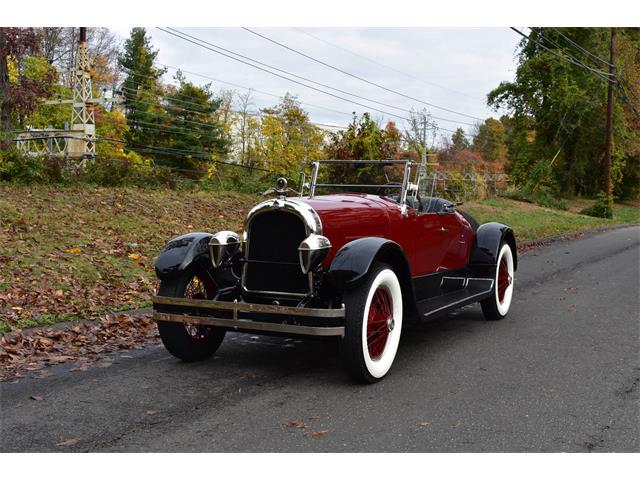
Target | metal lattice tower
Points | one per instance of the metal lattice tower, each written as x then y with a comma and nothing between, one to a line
80,141
82,117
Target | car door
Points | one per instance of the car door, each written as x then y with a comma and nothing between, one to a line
454,231
428,243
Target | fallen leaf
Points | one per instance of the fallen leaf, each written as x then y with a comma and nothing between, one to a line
424,424
317,433
74,250
134,256
67,442
294,424
37,398
456,424
151,412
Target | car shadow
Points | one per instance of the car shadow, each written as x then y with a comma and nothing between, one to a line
267,357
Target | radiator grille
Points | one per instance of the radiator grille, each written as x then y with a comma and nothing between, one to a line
272,256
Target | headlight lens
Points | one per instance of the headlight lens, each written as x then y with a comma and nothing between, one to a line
222,246
312,251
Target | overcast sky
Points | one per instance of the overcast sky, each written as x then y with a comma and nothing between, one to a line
447,67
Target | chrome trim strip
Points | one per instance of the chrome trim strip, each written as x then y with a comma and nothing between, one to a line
251,325
303,210
468,299
250,307
314,179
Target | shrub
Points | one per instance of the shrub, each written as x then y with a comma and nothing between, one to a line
15,167
602,207
543,196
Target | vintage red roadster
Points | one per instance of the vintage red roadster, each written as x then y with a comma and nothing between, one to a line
355,262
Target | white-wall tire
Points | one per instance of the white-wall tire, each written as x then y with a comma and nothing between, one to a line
373,324
497,306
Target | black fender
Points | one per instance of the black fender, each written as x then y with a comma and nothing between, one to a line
182,252
486,247
354,260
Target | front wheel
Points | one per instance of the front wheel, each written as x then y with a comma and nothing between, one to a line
373,322
190,341
497,305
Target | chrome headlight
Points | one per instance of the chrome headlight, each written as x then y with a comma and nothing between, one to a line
222,246
312,251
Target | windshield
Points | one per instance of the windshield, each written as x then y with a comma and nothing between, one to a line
380,177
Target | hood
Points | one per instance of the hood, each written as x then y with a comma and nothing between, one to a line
346,217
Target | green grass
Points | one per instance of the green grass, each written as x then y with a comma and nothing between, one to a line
531,221
70,253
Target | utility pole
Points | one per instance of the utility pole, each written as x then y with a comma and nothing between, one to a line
609,127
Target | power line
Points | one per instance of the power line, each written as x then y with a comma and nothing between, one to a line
408,75
217,112
282,76
194,154
195,41
581,48
277,96
359,77
599,73
253,89
568,54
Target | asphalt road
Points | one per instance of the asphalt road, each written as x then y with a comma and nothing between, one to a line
560,373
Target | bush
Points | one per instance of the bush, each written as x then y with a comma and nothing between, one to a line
241,180
129,169
602,207
543,196
18,168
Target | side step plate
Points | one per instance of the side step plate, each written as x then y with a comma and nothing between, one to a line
475,289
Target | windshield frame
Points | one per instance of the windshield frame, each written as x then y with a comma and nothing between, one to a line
403,187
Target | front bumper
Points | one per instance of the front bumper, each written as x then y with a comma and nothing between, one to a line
238,316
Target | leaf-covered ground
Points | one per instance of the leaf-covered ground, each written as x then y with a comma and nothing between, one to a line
76,253
68,253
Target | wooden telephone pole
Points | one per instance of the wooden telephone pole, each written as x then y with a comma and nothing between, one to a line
609,128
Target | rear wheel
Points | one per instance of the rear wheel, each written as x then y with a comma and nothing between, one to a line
497,306
373,322
190,341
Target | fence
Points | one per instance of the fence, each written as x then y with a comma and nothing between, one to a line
464,186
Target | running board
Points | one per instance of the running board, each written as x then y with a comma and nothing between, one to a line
473,290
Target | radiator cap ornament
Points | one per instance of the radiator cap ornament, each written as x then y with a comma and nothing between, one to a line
281,186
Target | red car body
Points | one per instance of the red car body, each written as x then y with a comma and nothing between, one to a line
347,265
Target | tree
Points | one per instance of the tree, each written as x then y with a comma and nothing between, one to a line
489,140
557,111
420,132
248,125
459,140
189,125
141,89
22,82
288,138
365,140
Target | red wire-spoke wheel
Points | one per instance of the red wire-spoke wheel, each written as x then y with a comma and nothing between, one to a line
373,322
199,288
497,306
379,322
504,279
189,341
